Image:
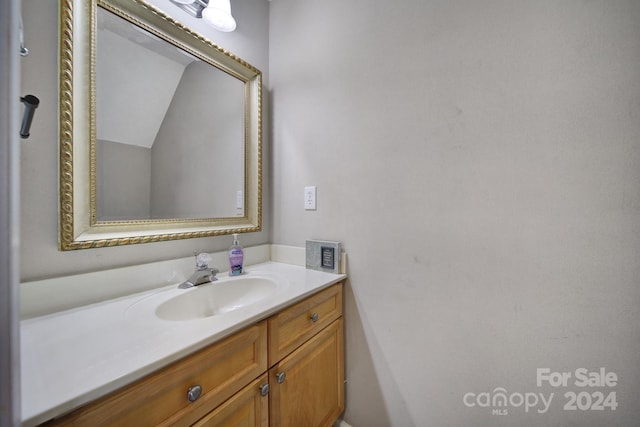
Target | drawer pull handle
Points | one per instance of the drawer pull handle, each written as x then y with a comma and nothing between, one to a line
280,376
264,389
314,317
194,393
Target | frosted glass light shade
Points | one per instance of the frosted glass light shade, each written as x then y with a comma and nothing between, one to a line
218,15
184,1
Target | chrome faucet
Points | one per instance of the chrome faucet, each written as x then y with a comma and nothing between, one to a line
203,273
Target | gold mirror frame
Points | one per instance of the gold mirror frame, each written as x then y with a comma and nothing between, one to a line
79,228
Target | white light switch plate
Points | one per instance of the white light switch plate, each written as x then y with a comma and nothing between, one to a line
239,203
310,198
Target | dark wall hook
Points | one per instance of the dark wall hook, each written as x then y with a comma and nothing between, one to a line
30,104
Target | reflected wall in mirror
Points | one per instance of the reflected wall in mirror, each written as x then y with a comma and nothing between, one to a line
166,142
170,130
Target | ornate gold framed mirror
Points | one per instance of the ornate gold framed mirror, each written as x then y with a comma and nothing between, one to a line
160,130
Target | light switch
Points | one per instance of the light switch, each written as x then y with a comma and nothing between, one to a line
239,203
239,199
310,198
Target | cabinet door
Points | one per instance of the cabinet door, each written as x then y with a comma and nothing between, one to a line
307,387
248,408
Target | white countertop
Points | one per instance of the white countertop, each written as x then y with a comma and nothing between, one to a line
73,357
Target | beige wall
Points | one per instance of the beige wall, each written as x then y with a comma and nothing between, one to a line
199,147
123,188
40,257
480,161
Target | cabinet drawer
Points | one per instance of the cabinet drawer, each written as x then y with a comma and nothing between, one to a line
293,326
161,398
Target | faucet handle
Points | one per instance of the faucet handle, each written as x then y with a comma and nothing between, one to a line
202,260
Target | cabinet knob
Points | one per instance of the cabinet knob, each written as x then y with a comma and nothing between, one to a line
264,389
194,393
314,317
280,376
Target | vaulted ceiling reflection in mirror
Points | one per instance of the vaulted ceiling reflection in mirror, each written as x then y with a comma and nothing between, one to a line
169,130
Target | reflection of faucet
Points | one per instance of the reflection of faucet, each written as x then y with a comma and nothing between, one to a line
203,273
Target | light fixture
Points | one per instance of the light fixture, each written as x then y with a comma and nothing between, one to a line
216,13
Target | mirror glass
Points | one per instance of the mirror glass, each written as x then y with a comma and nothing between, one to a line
170,129
160,129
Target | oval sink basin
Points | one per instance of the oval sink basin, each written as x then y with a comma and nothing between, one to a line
216,298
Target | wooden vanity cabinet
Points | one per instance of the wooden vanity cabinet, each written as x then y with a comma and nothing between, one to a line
307,387
306,359
286,371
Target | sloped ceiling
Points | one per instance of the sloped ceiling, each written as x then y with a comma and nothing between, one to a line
136,77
